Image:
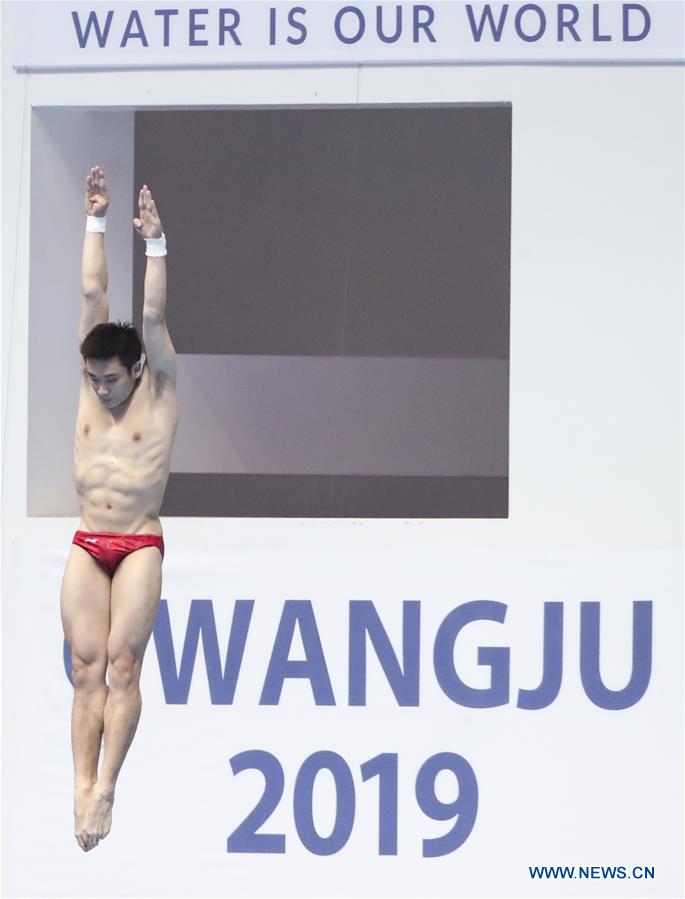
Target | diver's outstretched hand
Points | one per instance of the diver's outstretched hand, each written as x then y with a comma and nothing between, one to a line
97,197
148,224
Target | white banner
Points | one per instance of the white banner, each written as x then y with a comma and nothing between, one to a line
310,722
54,35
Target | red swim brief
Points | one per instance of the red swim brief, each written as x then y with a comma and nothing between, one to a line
109,550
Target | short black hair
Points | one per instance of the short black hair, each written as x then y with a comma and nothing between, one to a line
112,339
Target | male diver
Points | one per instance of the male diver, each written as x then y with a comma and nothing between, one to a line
126,421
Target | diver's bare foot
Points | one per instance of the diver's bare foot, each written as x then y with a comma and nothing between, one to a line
82,798
98,816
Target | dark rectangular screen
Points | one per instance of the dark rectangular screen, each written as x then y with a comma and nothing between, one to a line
347,233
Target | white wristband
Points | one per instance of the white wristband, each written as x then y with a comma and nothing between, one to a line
155,246
96,223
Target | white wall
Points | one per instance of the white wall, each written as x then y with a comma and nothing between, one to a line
65,144
595,268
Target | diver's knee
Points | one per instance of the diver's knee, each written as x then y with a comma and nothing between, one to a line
123,671
86,673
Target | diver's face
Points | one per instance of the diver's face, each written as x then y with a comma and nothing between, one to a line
111,381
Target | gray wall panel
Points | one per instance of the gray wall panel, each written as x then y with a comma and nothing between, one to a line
328,415
317,496
374,238
366,231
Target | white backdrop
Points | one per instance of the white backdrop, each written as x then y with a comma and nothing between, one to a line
595,511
